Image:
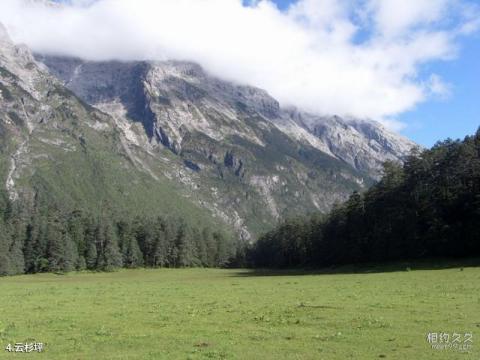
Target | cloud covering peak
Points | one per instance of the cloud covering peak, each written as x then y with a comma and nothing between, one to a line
352,58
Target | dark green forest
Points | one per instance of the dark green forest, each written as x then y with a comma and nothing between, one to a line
429,207
47,239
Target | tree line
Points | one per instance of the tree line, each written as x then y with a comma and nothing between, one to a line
428,207
46,239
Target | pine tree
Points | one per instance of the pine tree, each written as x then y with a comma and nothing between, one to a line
91,258
55,244
186,246
5,268
161,235
70,255
17,240
211,247
90,239
201,247
224,251
76,231
112,257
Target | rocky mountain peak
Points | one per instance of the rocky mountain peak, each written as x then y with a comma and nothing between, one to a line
364,144
19,62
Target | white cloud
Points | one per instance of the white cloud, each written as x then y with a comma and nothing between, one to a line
354,58
438,87
395,18
393,124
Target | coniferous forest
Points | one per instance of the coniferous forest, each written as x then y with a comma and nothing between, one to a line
47,239
428,207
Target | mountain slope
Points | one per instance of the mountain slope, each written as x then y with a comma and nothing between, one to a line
182,140
180,94
260,161
54,146
365,145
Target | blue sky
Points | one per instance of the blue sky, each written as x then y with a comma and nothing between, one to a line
457,115
283,4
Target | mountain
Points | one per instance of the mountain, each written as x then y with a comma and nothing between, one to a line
55,148
182,95
236,138
167,136
365,145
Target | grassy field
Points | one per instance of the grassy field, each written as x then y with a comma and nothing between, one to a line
237,314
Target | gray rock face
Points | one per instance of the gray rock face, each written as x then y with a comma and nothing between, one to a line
18,61
98,83
168,98
365,145
171,97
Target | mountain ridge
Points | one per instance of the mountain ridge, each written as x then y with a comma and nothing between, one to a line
374,141
223,147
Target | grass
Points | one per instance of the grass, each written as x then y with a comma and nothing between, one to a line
237,314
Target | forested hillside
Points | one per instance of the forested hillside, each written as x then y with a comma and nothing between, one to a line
429,207
50,239
75,195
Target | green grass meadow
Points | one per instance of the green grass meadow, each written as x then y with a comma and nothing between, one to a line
239,314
